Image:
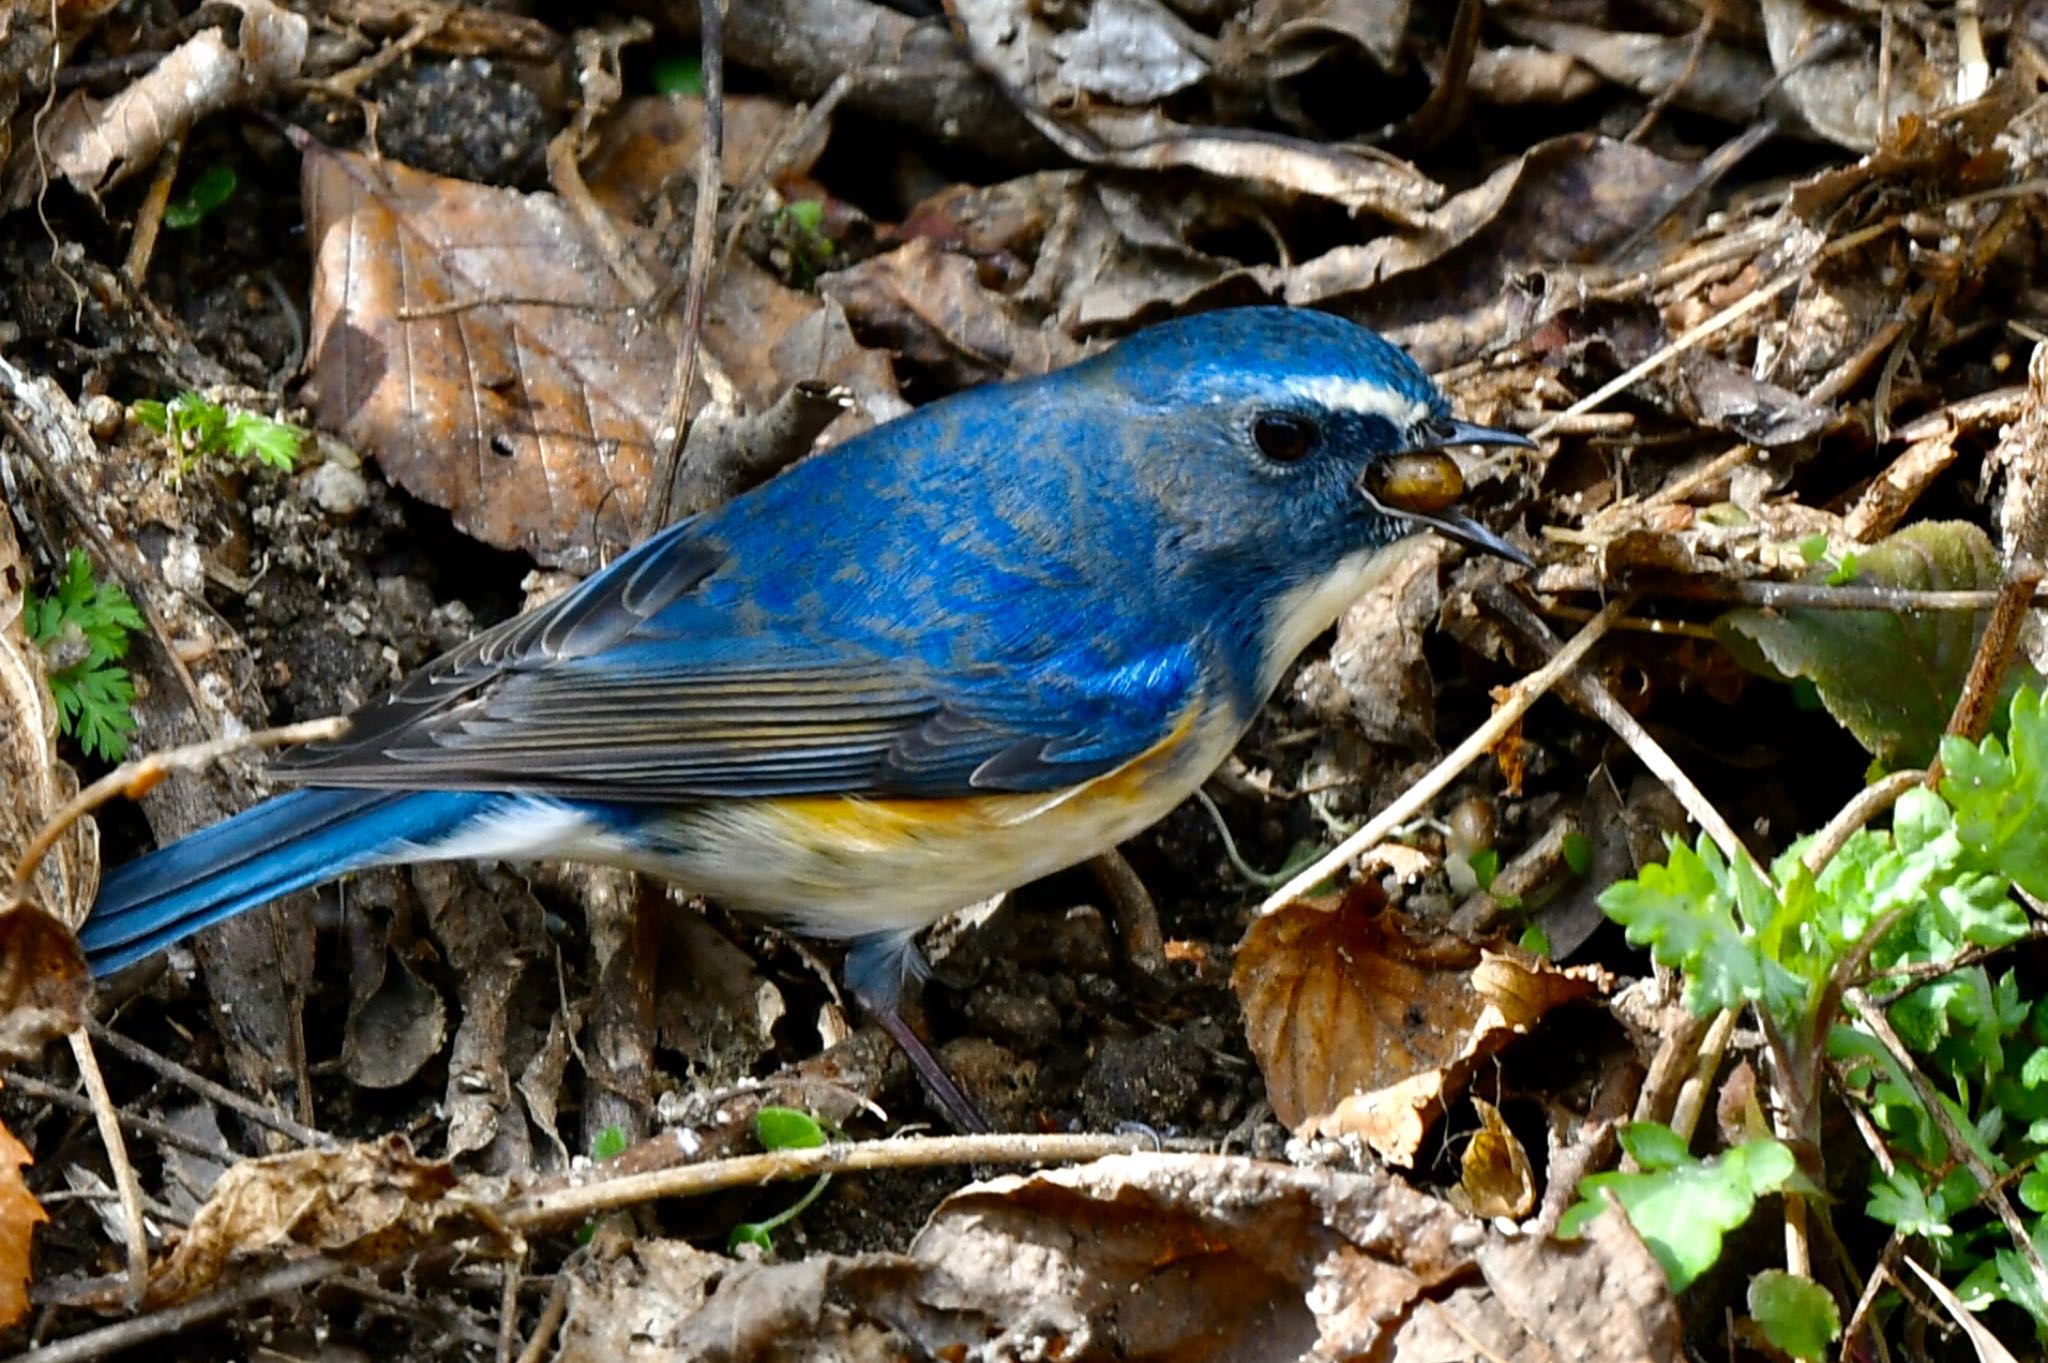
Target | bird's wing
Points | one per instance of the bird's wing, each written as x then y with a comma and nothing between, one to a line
590,697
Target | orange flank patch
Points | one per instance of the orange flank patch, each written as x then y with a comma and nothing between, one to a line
880,824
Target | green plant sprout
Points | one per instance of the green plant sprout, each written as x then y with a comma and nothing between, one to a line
209,189
198,427
799,228
83,629
781,1128
1872,982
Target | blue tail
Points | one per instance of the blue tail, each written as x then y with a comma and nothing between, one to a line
281,845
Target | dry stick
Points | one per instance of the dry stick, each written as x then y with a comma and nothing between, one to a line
1412,801
704,222
137,778
508,1306
1595,696
126,1334
117,1156
1865,805
551,1314
1692,1094
31,1087
1994,1189
149,219
1796,595
218,1093
562,1206
2026,465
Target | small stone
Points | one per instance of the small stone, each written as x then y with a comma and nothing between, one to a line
338,491
103,416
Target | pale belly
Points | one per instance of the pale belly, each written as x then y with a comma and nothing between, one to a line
844,867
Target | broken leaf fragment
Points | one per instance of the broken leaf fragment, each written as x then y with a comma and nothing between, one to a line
365,1203
1366,1025
20,1214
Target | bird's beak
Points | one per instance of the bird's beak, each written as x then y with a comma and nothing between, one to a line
1421,483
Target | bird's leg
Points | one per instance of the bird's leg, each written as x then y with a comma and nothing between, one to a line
876,968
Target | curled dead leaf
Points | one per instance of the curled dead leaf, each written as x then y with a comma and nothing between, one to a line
95,145
1365,1025
20,1214
364,1202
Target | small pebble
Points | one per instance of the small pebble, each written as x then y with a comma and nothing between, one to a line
103,416
338,491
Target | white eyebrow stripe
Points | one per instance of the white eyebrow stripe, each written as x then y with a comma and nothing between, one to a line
1366,399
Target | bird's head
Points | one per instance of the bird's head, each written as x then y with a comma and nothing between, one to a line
1295,435
1284,449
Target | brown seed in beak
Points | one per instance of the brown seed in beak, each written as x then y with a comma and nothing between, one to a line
1423,484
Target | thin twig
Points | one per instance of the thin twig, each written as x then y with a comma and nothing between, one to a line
136,779
1590,692
556,1307
1412,801
566,1205
703,224
1869,802
214,1092
123,1335
130,1186
31,1087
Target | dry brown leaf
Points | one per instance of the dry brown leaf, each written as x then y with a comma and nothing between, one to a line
1196,1258
1599,1298
363,1202
20,1214
476,342
451,30
648,150
1364,1026
930,307
44,983
1279,39
1722,79
97,145
1494,1177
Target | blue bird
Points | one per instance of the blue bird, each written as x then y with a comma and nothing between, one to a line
969,648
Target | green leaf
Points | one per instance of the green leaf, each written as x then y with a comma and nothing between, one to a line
1889,677
1535,941
1814,547
213,187
1899,1202
785,1128
270,442
1655,1146
1578,853
1682,1212
1999,796
749,1233
678,75
1485,864
1685,911
1796,1313
84,628
608,1144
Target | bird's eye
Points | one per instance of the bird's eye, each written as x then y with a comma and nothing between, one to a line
1284,437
